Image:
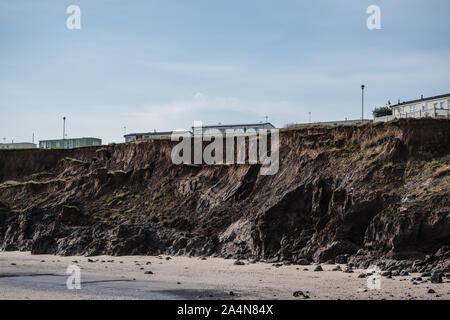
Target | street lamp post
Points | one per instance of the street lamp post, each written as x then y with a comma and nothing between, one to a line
64,132
362,102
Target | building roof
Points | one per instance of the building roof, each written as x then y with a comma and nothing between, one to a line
421,99
70,139
237,125
14,143
154,133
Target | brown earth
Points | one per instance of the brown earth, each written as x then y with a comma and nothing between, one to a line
347,194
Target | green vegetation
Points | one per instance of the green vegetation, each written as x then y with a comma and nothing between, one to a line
441,162
443,187
382,111
75,161
192,165
158,196
40,175
119,197
392,167
10,183
116,172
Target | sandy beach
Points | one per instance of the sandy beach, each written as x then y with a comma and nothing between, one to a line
26,276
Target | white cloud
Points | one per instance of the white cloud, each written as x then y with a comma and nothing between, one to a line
183,112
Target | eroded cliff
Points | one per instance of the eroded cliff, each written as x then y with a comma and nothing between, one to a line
347,193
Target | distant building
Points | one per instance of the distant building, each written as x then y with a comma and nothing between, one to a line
436,107
69,143
232,128
155,135
329,123
18,145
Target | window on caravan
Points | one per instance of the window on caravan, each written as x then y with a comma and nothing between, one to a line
442,105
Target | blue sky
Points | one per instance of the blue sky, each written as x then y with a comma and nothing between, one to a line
163,64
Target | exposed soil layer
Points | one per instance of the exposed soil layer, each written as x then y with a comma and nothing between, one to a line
374,192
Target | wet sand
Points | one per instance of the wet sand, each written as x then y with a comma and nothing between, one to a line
26,276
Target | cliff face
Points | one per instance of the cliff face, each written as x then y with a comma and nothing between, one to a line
364,192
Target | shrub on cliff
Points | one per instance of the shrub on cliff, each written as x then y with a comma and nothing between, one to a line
382,111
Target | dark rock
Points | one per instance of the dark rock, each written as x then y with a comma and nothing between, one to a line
348,269
337,268
277,265
238,263
335,249
303,262
341,259
44,245
436,276
231,293
431,291
318,268
362,275
300,294
148,272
